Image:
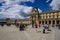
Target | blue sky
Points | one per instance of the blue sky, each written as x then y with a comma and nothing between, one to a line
20,9
41,4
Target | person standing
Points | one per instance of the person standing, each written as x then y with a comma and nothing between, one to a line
36,26
21,27
43,30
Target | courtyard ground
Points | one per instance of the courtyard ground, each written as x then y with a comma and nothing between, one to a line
13,33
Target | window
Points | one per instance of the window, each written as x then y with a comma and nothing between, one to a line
47,14
58,16
41,17
51,13
58,13
48,17
44,17
44,14
55,15
51,16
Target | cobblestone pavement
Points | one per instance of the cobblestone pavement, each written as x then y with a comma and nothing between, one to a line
57,33
13,33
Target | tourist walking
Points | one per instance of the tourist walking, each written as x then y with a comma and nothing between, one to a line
44,30
21,27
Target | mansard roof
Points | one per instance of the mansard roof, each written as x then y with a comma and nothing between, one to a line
51,11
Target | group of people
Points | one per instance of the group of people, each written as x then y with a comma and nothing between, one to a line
45,27
22,27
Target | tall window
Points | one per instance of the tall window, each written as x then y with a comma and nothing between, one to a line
55,15
41,16
44,16
48,15
58,14
51,15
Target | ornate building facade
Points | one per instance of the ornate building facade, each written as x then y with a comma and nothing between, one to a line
51,17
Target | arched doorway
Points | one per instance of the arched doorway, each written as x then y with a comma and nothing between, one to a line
57,21
45,22
49,22
39,22
42,22
53,22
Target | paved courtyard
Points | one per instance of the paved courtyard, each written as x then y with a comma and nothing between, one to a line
13,33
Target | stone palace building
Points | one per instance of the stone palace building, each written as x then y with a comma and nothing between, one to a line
51,18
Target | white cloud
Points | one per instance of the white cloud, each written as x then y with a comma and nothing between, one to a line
1,0
47,1
15,10
12,9
39,10
16,1
25,9
55,4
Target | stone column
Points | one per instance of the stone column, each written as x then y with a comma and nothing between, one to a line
51,22
47,21
59,21
55,22
41,22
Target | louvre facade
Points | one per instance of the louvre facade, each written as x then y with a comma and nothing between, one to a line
50,18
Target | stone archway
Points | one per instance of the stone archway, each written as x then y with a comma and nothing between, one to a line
45,22
49,22
34,16
53,22
39,22
57,22
42,22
